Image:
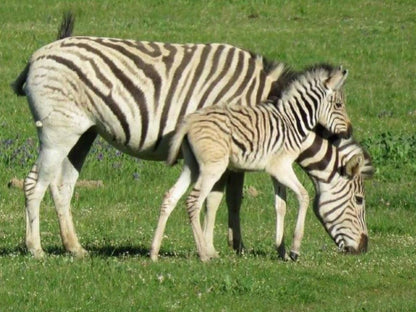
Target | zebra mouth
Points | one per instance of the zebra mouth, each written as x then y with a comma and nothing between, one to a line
361,248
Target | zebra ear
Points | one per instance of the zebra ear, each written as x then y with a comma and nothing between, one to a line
367,171
336,79
354,165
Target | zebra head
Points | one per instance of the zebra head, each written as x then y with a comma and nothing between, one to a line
340,202
333,114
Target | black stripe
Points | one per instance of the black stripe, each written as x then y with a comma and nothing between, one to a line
300,117
148,70
248,76
250,91
224,68
311,151
140,46
134,91
107,99
234,78
172,89
196,76
261,86
169,59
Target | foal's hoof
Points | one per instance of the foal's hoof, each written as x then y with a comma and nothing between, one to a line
154,256
79,253
37,253
294,256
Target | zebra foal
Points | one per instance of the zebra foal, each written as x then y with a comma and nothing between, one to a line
337,168
266,137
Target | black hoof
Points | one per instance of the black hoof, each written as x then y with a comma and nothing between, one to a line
294,256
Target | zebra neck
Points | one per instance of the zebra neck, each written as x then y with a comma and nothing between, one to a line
300,117
319,158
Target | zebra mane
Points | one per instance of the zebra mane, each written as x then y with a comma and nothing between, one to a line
67,26
288,76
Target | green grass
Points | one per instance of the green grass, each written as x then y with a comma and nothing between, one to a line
374,40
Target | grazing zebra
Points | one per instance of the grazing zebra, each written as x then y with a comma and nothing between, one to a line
337,168
267,136
133,93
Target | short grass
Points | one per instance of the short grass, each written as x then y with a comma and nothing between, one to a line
375,40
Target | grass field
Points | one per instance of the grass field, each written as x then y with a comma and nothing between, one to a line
375,40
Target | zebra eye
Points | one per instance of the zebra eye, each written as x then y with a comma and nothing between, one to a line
338,104
359,199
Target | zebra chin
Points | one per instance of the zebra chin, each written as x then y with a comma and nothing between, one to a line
352,247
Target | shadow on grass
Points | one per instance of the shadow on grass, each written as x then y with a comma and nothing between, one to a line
129,251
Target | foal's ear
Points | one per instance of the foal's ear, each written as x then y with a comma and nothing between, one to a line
354,165
336,79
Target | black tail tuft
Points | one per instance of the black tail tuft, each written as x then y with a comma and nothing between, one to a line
67,26
17,85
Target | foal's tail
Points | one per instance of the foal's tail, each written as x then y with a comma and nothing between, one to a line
176,142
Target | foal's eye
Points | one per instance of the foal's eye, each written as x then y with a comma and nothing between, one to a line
359,200
338,104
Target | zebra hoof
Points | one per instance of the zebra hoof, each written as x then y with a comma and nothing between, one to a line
38,253
80,253
294,256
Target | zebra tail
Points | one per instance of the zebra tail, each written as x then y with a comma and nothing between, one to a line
65,30
67,26
17,85
176,142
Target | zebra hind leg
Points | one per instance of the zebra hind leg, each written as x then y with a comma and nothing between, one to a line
35,185
209,175
62,189
212,203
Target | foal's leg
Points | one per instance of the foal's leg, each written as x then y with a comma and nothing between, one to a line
284,173
213,201
280,207
62,189
209,174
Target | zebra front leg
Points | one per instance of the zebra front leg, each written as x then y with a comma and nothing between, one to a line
234,197
303,198
280,207
285,175
169,203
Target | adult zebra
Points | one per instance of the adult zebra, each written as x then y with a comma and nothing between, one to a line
130,92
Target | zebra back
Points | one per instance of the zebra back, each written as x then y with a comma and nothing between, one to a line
138,91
